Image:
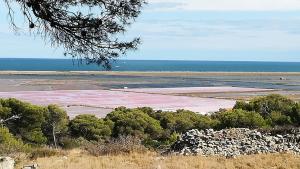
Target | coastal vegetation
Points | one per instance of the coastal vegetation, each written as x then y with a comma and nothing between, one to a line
33,128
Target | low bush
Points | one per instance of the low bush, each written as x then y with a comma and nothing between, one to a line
183,120
90,127
163,143
9,144
116,146
267,104
44,152
71,143
276,109
278,119
239,118
295,115
134,122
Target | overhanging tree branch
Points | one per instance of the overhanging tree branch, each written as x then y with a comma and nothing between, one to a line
86,29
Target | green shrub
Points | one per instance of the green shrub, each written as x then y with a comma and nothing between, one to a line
295,115
5,112
287,111
174,123
9,144
239,118
90,127
147,110
163,143
71,143
134,122
183,120
278,119
267,104
243,105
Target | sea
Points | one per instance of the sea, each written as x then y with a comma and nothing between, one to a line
18,64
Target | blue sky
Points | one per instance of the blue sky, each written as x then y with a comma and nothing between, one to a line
256,30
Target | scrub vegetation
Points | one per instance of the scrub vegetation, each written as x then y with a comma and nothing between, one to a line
45,131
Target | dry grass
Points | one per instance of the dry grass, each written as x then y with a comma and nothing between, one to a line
78,160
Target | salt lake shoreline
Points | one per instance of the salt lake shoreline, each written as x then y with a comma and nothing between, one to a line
34,84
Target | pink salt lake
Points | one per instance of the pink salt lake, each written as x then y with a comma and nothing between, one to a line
101,102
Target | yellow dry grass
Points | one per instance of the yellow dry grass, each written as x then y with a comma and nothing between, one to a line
79,160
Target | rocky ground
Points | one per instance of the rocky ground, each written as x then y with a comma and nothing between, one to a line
235,142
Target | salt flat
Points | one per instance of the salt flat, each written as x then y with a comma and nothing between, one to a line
101,102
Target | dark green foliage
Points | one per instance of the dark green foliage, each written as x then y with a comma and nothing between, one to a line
147,110
9,144
134,122
176,122
277,109
90,127
240,118
183,120
68,142
29,125
243,105
278,119
5,112
295,115
266,105
155,129
86,29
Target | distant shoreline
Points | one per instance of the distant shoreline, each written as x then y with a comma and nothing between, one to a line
285,83
148,66
145,73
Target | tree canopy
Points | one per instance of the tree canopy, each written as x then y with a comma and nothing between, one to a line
86,29
90,127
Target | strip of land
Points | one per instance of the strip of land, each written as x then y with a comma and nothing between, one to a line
185,90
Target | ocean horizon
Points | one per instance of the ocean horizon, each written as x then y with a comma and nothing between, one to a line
30,64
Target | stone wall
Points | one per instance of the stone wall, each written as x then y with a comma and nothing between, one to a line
235,142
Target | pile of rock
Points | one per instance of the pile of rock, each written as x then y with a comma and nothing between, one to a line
7,163
235,142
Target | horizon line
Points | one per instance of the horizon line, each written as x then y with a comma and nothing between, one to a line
122,59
